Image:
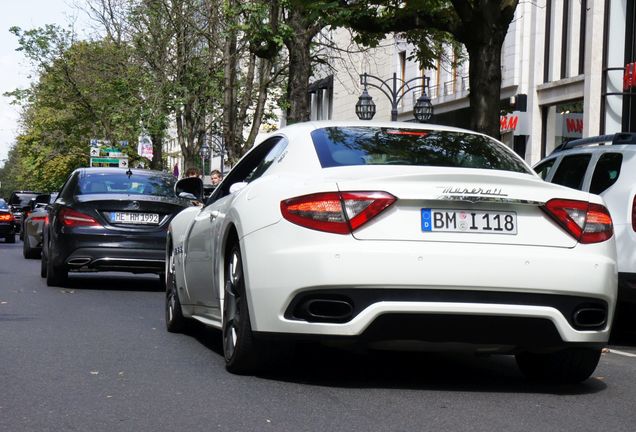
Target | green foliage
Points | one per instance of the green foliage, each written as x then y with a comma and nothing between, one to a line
87,89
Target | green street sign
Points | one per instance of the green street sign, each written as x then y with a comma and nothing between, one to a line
113,162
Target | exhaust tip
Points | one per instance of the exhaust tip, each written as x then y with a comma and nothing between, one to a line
78,262
589,317
326,310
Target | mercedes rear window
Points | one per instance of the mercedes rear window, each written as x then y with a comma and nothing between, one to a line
120,183
362,145
22,199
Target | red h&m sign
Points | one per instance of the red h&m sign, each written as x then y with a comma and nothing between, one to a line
508,123
574,125
629,77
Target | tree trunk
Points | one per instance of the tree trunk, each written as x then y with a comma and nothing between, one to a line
485,88
299,48
157,151
229,91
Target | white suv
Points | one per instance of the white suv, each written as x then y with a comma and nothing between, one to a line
604,165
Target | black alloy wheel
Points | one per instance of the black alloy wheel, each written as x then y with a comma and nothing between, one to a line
175,321
243,354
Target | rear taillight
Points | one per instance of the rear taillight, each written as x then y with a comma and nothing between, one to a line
39,218
634,213
73,218
335,212
6,217
586,222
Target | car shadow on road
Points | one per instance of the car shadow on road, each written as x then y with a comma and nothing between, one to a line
319,365
113,282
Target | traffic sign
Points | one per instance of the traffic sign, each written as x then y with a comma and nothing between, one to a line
109,162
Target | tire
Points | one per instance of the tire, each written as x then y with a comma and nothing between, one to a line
569,366
28,252
10,238
175,321
243,354
43,265
55,275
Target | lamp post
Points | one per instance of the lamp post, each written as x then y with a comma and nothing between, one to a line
204,152
394,89
218,149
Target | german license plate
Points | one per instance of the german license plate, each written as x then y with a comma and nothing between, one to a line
475,221
133,218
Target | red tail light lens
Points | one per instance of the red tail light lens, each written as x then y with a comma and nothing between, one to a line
335,212
39,218
586,222
6,217
73,218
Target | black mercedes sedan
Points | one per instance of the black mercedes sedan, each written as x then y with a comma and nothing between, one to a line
109,219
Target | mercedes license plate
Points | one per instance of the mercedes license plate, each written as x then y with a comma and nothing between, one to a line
475,221
133,218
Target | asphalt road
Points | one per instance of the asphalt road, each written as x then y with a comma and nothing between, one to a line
95,356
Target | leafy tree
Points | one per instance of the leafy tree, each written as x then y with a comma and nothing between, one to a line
480,26
86,89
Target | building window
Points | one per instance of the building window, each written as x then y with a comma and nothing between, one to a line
562,123
321,94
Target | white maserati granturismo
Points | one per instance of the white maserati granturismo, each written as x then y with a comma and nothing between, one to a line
396,235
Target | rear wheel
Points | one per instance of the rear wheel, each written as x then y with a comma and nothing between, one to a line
567,366
55,275
43,265
27,251
10,238
243,354
175,321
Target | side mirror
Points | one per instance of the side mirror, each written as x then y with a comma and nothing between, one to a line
190,185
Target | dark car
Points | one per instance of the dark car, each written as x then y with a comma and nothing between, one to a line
33,224
18,202
7,223
109,219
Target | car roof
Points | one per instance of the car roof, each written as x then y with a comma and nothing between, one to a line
106,170
313,125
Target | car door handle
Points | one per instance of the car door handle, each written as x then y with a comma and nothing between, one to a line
214,214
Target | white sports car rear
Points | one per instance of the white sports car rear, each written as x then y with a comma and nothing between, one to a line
396,234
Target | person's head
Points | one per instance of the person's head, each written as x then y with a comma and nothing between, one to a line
192,172
216,177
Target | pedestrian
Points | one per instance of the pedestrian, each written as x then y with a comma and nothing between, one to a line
216,177
192,172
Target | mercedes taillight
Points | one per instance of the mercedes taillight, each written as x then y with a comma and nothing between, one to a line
586,222
73,218
335,212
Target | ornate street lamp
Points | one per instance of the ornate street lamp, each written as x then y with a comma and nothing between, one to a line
365,108
423,109
394,89
204,152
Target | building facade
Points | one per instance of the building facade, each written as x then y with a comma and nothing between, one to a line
565,75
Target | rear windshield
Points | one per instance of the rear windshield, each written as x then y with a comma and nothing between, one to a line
120,183
22,199
361,145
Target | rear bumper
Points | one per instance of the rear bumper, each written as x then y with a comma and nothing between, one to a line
101,250
430,291
7,229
